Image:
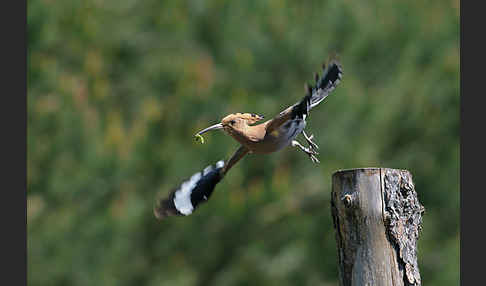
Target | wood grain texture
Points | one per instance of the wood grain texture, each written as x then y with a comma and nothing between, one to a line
377,218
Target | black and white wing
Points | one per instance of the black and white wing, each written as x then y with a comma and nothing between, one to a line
184,199
325,84
330,78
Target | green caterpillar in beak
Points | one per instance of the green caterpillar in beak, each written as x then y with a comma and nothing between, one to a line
199,137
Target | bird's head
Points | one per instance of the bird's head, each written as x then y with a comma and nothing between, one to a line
234,123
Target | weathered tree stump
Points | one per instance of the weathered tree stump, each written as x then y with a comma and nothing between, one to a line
377,217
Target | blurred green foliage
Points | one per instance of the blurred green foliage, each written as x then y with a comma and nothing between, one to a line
116,90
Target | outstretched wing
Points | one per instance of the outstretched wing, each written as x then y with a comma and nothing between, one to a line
331,77
184,199
324,85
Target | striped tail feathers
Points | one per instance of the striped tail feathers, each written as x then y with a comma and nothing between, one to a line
331,76
183,200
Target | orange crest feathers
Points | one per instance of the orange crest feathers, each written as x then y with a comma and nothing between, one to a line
251,118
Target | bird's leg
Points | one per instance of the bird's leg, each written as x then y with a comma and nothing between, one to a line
311,143
308,151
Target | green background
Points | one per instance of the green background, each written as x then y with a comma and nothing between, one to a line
116,90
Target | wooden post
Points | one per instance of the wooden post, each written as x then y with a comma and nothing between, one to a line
377,218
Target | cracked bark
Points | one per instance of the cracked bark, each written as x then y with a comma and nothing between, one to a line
377,218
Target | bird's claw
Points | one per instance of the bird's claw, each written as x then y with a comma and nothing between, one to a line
311,143
314,159
311,153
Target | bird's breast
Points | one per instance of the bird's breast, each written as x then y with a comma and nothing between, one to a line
280,137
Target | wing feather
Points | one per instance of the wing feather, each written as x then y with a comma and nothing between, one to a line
324,86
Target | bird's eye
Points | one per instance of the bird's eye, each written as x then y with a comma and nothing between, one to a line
232,122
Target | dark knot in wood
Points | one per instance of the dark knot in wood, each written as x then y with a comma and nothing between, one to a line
347,200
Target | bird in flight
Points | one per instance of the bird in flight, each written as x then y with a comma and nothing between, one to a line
263,138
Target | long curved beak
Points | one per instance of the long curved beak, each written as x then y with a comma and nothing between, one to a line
214,127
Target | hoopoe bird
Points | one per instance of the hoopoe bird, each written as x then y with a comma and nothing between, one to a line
267,137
